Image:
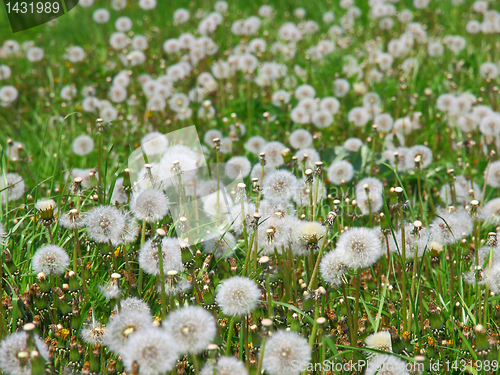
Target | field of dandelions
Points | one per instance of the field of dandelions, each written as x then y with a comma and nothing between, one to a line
233,188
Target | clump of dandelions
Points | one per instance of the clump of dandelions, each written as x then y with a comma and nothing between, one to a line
122,325
193,329
15,356
238,296
380,341
225,366
150,205
286,353
105,224
359,248
153,349
51,260
383,364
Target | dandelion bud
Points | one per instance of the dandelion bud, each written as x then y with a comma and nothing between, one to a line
99,125
45,209
481,339
262,158
492,239
309,176
216,144
286,153
255,184
330,219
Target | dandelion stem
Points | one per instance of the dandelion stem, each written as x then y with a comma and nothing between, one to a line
487,291
318,259
162,283
195,364
229,336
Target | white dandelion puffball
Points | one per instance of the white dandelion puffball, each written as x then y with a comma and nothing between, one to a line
153,349
304,190
171,253
359,247
238,296
34,54
255,144
150,205
101,15
83,145
134,304
173,164
51,260
193,329
332,268
147,4
225,366
340,172
380,341
279,185
382,364
493,175
121,326
490,212
236,166
15,187
105,224
274,158
353,144
286,353
210,135
10,348
154,143
300,139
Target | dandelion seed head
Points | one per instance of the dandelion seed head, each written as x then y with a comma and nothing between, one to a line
382,364
238,296
153,349
359,247
105,224
121,327
340,171
10,348
286,353
193,328
150,205
83,145
12,186
279,185
332,268
225,366
51,260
